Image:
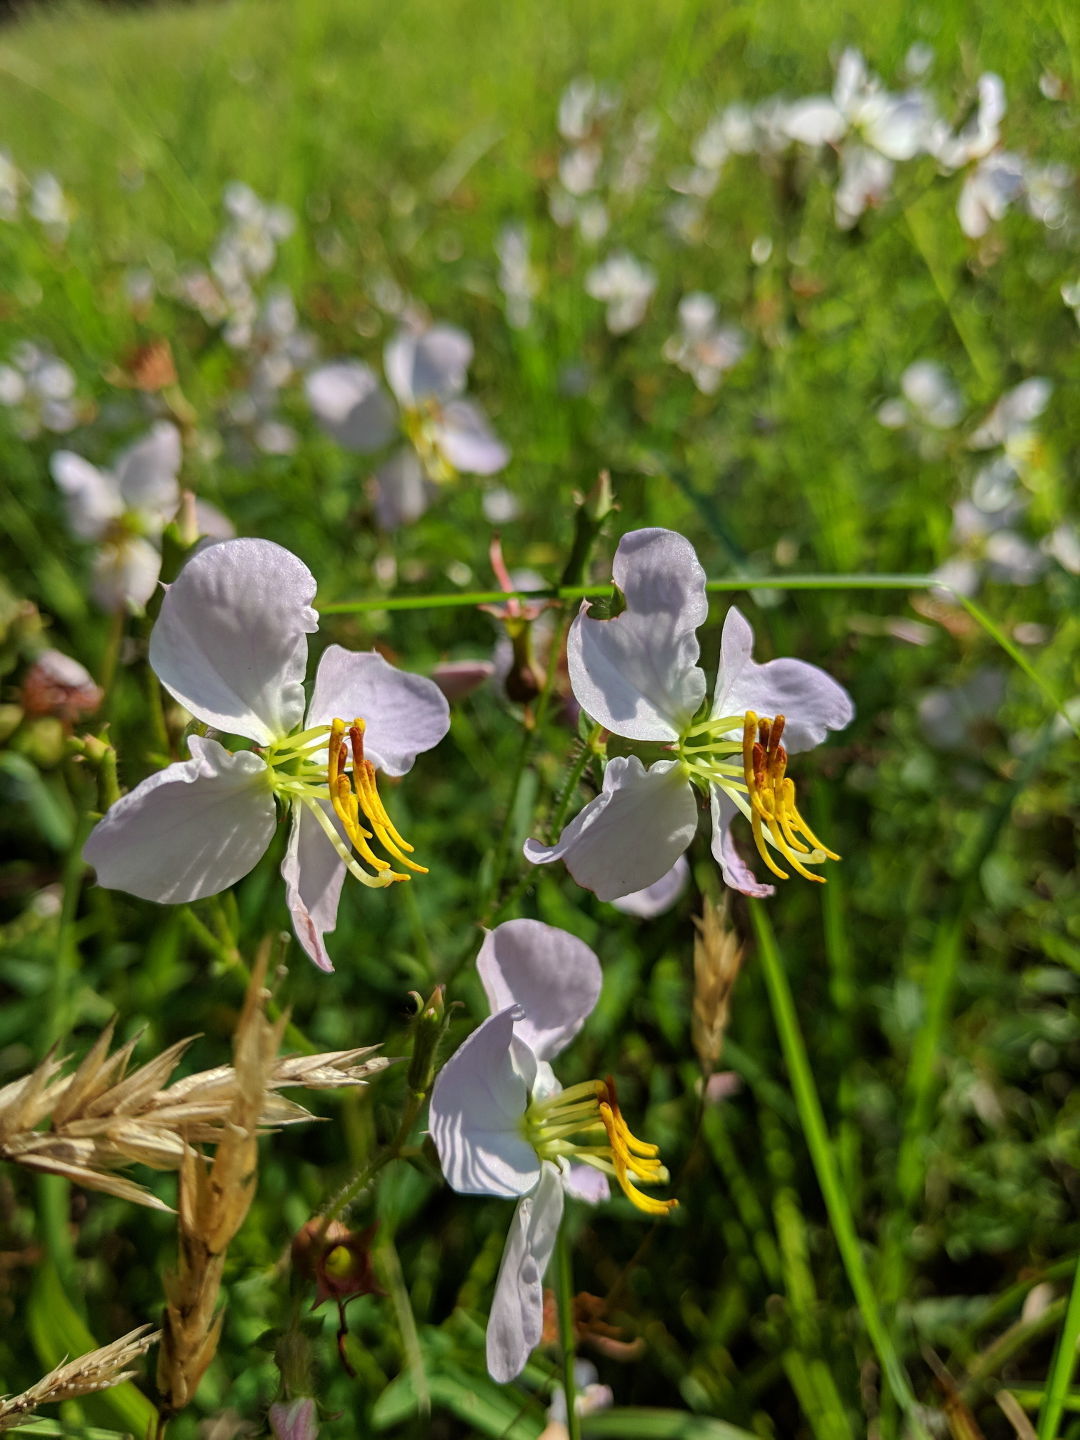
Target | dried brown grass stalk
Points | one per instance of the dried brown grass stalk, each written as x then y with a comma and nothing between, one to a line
718,955
97,1370
99,1118
214,1199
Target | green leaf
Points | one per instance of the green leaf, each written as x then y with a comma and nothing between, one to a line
633,1424
22,783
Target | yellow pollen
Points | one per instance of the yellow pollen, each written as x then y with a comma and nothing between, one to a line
355,794
771,795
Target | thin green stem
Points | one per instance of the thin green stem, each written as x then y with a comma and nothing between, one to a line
1062,1367
564,1292
1017,656
382,1157
812,1120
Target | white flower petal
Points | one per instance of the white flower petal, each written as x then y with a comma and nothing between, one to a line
428,365
811,701
350,404
637,673
733,867
477,1105
189,831
552,975
147,474
661,895
814,121
231,640
517,1308
466,440
402,490
631,834
313,873
91,496
403,714
126,573
585,1183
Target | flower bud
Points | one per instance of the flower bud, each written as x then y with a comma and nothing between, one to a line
337,1259
294,1419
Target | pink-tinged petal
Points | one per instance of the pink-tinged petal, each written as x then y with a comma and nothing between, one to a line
147,474
428,364
631,834
660,896
477,1106
126,573
466,440
313,873
351,406
637,673
402,490
403,714
189,831
91,496
552,975
734,868
585,1183
458,678
517,1308
231,639
811,701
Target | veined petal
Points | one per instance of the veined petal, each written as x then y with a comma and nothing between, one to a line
91,496
231,640
812,702
189,831
733,867
552,975
313,873
402,490
147,474
637,673
477,1106
517,1308
351,405
428,364
661,895
631,834
403,714
467,441
126,573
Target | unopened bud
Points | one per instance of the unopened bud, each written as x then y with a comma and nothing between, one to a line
600,501
428,1029
336,1258
294,1419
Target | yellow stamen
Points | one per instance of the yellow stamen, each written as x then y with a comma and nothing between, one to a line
356,794
774,817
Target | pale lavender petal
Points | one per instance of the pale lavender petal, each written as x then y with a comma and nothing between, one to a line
811,701
466,440
351,406
733,867
147,473
637,673
402,490
91,496
231,639
585,1183
631,834
552,975
403,714
517,1308
477,1105
189,831
658,897
313,873
428,365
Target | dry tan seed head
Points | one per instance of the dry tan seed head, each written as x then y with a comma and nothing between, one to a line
718,954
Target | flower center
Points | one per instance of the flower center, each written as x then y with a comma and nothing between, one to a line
592,1109
758,784
311,768
421,426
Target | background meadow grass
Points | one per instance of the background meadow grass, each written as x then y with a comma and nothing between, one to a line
823,1263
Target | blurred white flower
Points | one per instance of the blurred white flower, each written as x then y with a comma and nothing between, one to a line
981,132
40,389
702,347
448,436
928,399
989,188
50,206
625,285
517,277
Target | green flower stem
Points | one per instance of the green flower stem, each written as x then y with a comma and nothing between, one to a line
1062,1367
382,1157
819,1144
564,1292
